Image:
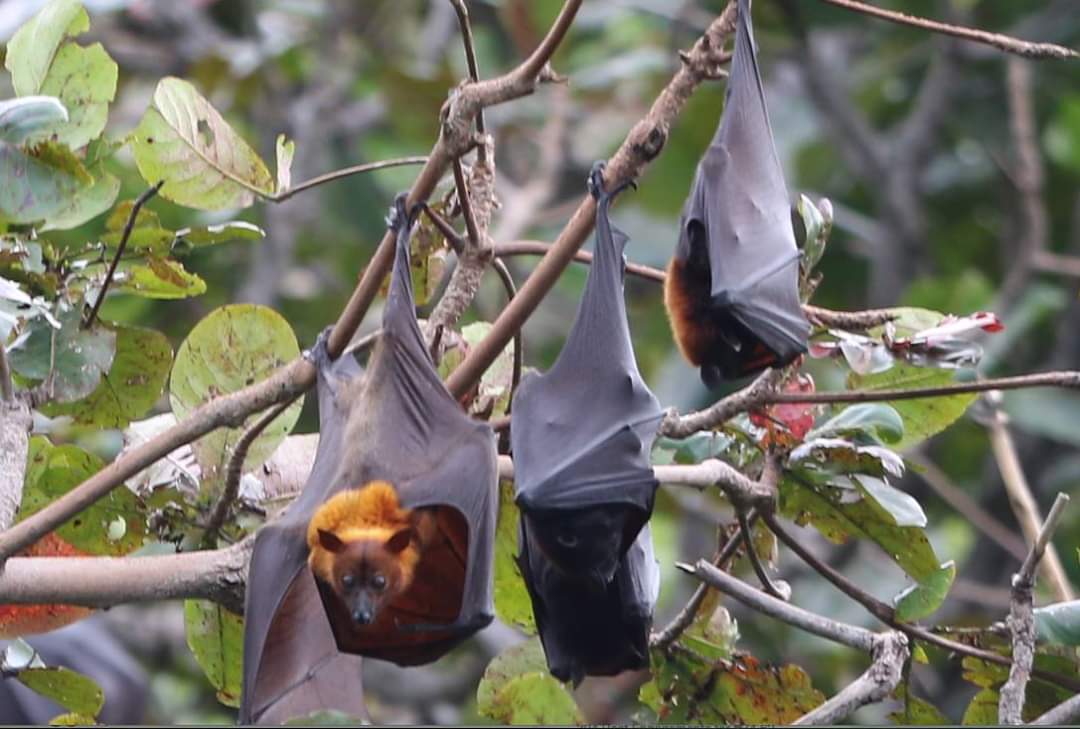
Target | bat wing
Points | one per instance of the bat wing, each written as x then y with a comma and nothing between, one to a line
587,631
739,213
581,433
403,426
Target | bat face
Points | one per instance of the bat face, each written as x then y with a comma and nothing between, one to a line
367,573
586,544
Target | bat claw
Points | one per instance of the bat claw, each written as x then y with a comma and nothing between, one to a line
596,182
319,355
399,214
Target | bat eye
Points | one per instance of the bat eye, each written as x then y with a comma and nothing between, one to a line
567,539
348,580
378,582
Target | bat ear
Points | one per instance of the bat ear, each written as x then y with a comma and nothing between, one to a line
330,541
400,540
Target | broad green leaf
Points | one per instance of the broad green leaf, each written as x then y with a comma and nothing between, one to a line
916,711
923,417
155,240
1059,623
118,218
71,719
183,140
22,117
75,357
286,148
131,386
37,184
512,603
74,691
52,471
877,420
688,689
839,518
1039,697
86,203
84,79
922,600
231,348
31,50
535,699
982,710
904,509
157,278
216,637
212,235
517,660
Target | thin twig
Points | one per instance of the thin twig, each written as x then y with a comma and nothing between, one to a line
1021,498
681,426
539,248
997,40
470,60
452,236
235,470
890,652
1021,621
340,175
755,562
128,227
466,204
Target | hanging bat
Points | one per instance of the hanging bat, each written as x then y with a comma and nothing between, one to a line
731,290
581,436
388,550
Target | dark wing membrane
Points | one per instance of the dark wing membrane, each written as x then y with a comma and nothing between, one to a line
741,202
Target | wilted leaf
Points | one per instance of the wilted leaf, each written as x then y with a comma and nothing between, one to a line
231,348
787,423
183,140
74,691
31,50
75,357
286,148
52,471
19,620
216,637
512,602
131,386
923,599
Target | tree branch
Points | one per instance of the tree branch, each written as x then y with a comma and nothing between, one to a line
676,426
1021,621
890,652
1001,42
1063,714
340,175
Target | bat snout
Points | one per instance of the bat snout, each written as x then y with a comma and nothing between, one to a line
363,615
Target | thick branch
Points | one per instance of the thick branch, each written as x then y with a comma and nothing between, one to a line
890,651
680,426
102,582
15,425
1063,714
1001,42
639,148
1021,621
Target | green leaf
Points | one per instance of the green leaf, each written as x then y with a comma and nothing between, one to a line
74,691
904,509
216,637
1059,623
71,719
838,518
923,417
876,420
922,600
982,710
535,699
156,240
212,235
493,396
157,278
131,386
19,118
84,79
75,357
86,203
52,471
286,148
689,689
38,184
231,348
517,660
512,602
183,140
31,50
916,711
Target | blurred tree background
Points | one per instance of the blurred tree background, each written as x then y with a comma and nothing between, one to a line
952,168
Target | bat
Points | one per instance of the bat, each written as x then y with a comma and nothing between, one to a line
581,435
396,449
731,289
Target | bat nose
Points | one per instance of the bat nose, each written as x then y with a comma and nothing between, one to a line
362,616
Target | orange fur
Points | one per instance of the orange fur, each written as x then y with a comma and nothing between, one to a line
685,296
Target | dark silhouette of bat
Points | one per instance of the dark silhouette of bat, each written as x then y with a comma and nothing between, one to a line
581,436
732,286
396,423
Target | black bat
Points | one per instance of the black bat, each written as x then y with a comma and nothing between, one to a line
581,436
732,286
394,423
